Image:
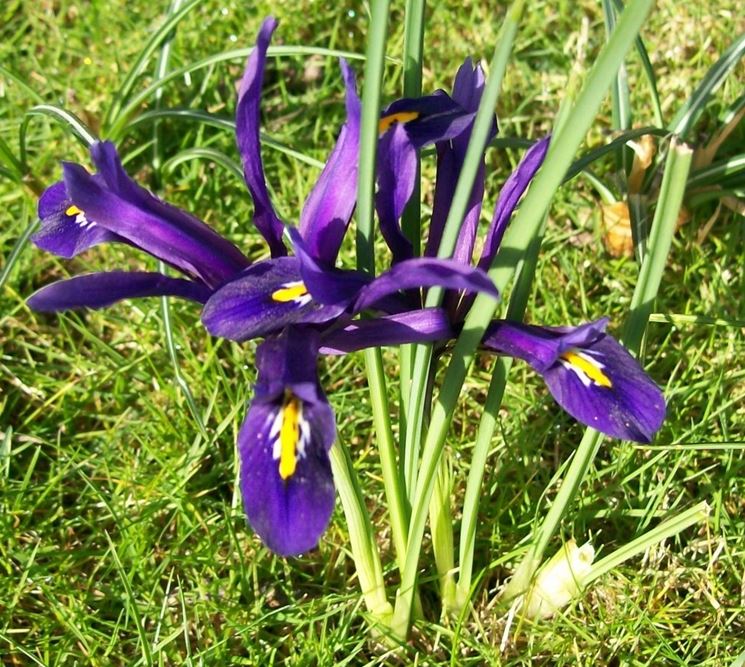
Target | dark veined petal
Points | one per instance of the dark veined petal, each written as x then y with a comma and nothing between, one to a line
328,209
247,136
264,299
424,272
590,375
164,232
467,90
509,196
98,290
416,326
219,257
397,170
327,285
65,229
427,119
286,481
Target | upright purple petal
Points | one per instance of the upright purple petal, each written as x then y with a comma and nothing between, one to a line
424,272
328,209
509,196
286,481
397,171
249,144
263,300
416,326
467,90
589,374
65,230
98,290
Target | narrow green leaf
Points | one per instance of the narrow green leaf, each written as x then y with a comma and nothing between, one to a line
210,154
688,114
162,34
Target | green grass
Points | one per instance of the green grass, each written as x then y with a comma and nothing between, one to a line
122,540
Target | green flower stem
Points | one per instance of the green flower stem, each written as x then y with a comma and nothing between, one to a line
371,96
673,188
517,239
663,226
515,312
381,418
362,538
413,49
411,221
453,223
364,547
441,526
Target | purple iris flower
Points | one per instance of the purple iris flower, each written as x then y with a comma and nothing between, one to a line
302,304
588,372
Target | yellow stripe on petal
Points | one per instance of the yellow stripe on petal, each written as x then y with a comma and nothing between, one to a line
290,292
73,210
289,436
386,122
585,364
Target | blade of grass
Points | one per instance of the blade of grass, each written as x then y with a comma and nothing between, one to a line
18,246
218,157
163,33
78,128
222,123
648,73
118,125
663,531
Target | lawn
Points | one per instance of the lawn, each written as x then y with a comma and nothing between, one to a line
122,536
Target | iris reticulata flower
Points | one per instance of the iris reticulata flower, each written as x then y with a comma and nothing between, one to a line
587,371
302,304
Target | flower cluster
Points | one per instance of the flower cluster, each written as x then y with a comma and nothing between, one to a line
303,305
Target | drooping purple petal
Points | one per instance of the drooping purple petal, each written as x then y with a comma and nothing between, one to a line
328,286
397,171
65,229
590,375
427,119
286,481
98,290
424,272
328,209
249,145
509,196
416,326
194,249
264,299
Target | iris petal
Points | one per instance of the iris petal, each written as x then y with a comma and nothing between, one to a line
98,290
286,481
288,495
416,326
590,375
247,136
328,209
65,230
264,299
